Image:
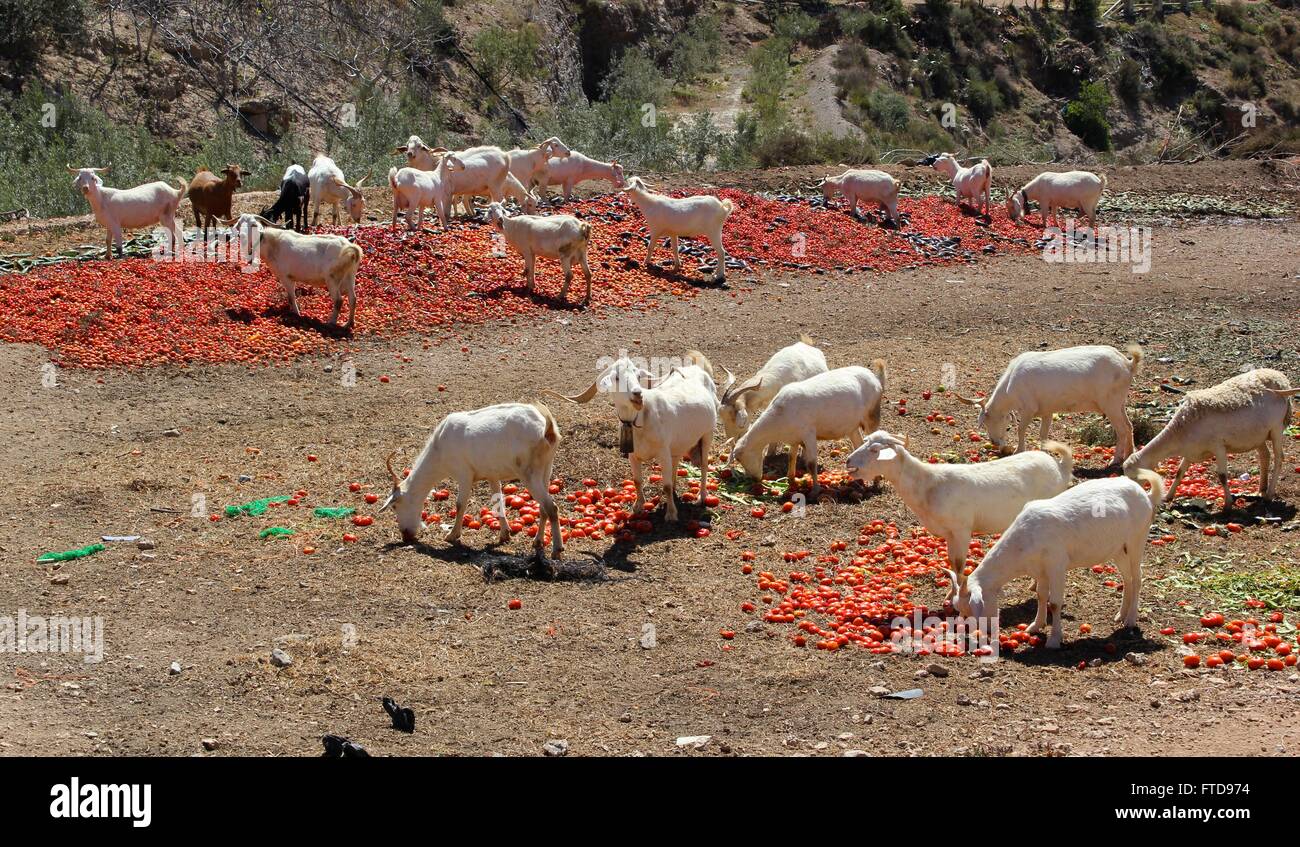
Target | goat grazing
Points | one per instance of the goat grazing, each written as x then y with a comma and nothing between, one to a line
955,502
570,170
702,215
1094,522
864,186
974,183
843,403
561,237
210,195
661,421
316,261
1242,413
529,166
746,401
117,209
1055,191
295,191
501,443
328,186
1038,384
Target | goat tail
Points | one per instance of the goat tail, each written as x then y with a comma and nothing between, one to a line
1103,181
1135,356
806,339
695,357
185,188
585,229
392,178
727,205
1157,492
552,433
878,368
1062,453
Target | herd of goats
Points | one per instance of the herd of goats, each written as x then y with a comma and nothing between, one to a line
1048,525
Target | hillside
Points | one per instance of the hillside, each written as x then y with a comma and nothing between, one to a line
164,87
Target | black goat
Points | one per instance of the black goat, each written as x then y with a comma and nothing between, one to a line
295,191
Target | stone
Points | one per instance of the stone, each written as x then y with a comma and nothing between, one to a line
280,658
556,747
174,668
695,742
937,669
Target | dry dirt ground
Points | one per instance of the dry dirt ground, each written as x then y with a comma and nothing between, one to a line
418,623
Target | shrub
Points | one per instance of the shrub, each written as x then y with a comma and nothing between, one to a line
889,111
882,24
1128,82
1086,115
508,54
983,99
694,51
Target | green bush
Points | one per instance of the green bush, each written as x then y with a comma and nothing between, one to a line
508,54
882,24
1128,82
983,99
1086,115
694,51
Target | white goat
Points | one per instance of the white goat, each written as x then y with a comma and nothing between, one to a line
955,502
1055,191
843,403
662,423
974,183
117,209
501,443
575,168
420,155
476,171
316,261
864,186
514,189
414,190
702,215
746,401
1038,384
528,165
328,186
1242,413
561,237
1095,521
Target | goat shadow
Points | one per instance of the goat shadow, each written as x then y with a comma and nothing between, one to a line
1081,648
493,564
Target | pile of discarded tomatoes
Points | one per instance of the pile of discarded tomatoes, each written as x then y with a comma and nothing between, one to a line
864,597
1247,642
140,312
1201,480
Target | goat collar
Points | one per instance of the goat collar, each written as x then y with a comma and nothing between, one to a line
1024,198
632,422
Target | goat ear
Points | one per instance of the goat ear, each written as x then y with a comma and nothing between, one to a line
980,401
952,575
887,454
388,503
401,149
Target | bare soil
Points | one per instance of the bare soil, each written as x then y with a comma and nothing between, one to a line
89,458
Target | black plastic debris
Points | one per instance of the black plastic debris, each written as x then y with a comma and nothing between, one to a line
338,747
403,718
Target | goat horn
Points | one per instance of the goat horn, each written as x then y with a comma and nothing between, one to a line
731,378
388,463
584,397
969,402
71,169
104,169
745,388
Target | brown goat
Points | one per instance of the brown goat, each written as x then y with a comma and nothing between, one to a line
210,195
